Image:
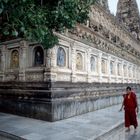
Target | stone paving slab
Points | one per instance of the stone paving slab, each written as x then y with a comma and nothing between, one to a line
88,126
120,134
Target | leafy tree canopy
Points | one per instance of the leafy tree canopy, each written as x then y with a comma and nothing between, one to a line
36,20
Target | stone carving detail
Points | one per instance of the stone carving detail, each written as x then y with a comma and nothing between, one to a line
80,78
14,59
79,61
102,27
112,67
61,57
11,77
129,71
119,68
87,53
48,58
104,4
103,64
63,77
83,34
124,70
34,76
134,72
92,64
105,33
39,56
128,14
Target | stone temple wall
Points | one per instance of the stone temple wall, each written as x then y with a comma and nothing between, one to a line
89,69
100,51
71,60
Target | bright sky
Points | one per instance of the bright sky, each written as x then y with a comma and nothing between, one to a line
113,5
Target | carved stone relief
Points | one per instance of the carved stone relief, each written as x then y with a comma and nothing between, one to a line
14,59
61,57
79,61
34,76
112,67
103,64
38,56
92,64
119,69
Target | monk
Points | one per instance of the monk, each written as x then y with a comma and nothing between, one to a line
130,105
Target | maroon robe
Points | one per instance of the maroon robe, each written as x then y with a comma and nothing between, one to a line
130,104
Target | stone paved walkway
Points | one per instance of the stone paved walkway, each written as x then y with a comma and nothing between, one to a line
120,134
84,127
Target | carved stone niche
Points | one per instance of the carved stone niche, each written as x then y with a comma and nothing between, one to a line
136,53
122,45
117,39
113,38
100,27
79,33
94,27
132,50
90,38
105,33
83,35
73,31
128,47
86,35
97,41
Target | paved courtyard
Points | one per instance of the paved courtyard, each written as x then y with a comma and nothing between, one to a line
120,134
95,125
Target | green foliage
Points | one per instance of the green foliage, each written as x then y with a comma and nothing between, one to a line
36,20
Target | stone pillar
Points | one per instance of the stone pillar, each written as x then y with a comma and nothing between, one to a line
116,70
53,57
3,63
22,60
88,66
6,58
99,67
49,74
73,62
127,73
108,69
138,75
122,72
134,74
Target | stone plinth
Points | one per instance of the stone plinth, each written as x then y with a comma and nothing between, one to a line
59,100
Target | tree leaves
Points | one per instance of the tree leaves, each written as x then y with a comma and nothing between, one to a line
35,20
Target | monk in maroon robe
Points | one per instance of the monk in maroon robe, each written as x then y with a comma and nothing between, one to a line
130,107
